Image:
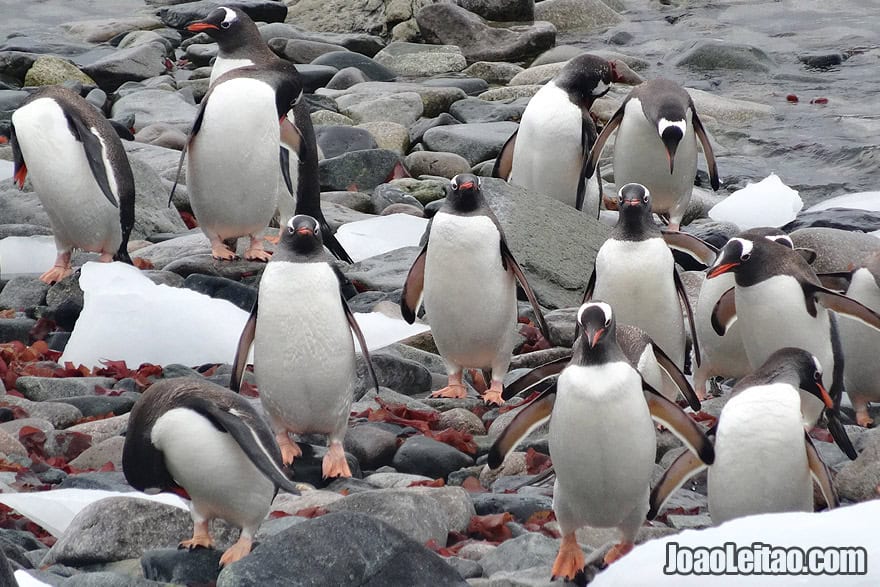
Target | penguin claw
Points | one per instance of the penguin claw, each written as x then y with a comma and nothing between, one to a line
222,253
334,463
257,255
493,397
236,552
289,449
197,541
456,391
570,561
56,274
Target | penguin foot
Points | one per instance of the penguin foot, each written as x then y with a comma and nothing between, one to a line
617,551
56,274
289,449
105,258
237,551
455,391
493,396
864,420
334,463
570,560
222,253
256,252
199,540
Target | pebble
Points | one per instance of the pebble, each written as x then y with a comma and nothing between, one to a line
532,549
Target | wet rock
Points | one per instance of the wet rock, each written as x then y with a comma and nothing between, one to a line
822,60
170,565
415,514
300,50
529,550
836,250
713,54
133,64
521,506
425,456
501,10
404,108
462,420
373,70
577,15
420,127
473,110
222,288
152,106
180,15
850,219
21,293
474,142
436,163
44,388
108,579
338,16
418,60
363,169
494,72
385,272
48,70
372,446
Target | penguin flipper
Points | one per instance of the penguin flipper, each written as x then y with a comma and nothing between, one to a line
838,433
512,265
843,305
591,285
674,373
530,417
504,161
197,125
596,151
291,141
820,473
94,152
672,417
724,312
413,287
535,376
809,255
700,131
588,137
333,244
696,248
19,167
679,286
244,346
683,468
356,329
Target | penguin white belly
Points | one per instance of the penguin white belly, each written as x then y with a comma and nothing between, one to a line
602,444
209,464
80,214
233,165
224,64
772,315
635,277
721,355
860,342
640,157
304,358
470,299
760,458
549,156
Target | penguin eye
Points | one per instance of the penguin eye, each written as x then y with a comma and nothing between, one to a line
290,230
646,198
225,24
317,229
608,323
745,257
817,376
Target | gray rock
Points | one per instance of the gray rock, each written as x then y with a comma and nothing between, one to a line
466,568
152,214
164,135
385,272
436,163
435,100
532,577
389,135
21,293
509,93
206,264
200,566
339,16
425,456
537,74
494,72
561,324
475,142
154,106
448,24
822,60
521,506
98,455
162,159
59,415
16,329
102,429
180,15
133,64
13,427
373,70
372,446
394,372
404,108
710,54
501,10
415,514
315,76
471,110
346,77
363,169
108,481
419,60
360,43
577,15
108,579
48,70
418,130
462,420
455,503
529,550
395,480
45,388
164,253
836,250
102,30
387,194
23,230
858,480
470,85
301,50
850,219
17,207
359,201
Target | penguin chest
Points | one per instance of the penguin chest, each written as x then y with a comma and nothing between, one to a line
195,451
602,443
724,355
549,154
304,358
469,298
860,342
80,214
225,64
636,278
640,157
760,459
233,169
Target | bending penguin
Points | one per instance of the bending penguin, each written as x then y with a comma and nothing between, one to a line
765,461
467,277
602,440
241,45
304,356
656,146
548,152
181,432
80,172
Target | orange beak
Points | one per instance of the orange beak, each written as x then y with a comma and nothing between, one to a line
720,270
829,403
198,27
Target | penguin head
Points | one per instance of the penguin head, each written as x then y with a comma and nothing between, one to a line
224,25
668,113
733,256
634,204
799,368
585,78
596,320
303,234
466,194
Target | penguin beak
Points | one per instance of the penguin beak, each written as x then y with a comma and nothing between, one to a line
825,396
305,231
468,185
197,27
720,269
670,141
593,337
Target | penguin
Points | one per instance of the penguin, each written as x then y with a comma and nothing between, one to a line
241,45
467,276
656,146
765,461
547,153
194,437
80,172
304,356
635,271
781,303
602,440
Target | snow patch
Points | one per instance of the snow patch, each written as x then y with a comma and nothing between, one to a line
861,201
766,203
368,238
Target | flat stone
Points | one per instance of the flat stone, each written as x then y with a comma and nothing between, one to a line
471,110
388,135
435,100
48,70
301,50
577,15
529,550
40,389
362,169
425,456
420,60
475,142
371,69
494,72
521,506
436,163
133,64
709,54
404,108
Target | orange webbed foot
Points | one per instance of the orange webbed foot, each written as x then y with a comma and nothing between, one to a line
289,449
223,253
570,560
56,274
334,463
236,552
617,551
455,391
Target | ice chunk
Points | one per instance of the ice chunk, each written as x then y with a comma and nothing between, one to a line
850,526
26,255
766,203
24,579
54,510
861,201
7,168
367,238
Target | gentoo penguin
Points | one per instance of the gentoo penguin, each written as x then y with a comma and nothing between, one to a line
193,435
233,184
80,172
602,440
467,277
304,356
781,303
547,153
241,45
635,271
656,146
764,460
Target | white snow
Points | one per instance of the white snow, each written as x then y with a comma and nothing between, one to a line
766,203
853,526
861,201
26,255
128,317
367,238
24,579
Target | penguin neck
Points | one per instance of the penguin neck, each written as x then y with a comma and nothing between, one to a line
633,226
311,251
246,44
607,351
777,372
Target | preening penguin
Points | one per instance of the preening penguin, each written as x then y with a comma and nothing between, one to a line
304,356
656,146
602,440
80,172
467,277
194,435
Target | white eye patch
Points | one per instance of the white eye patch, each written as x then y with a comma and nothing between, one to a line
663,124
